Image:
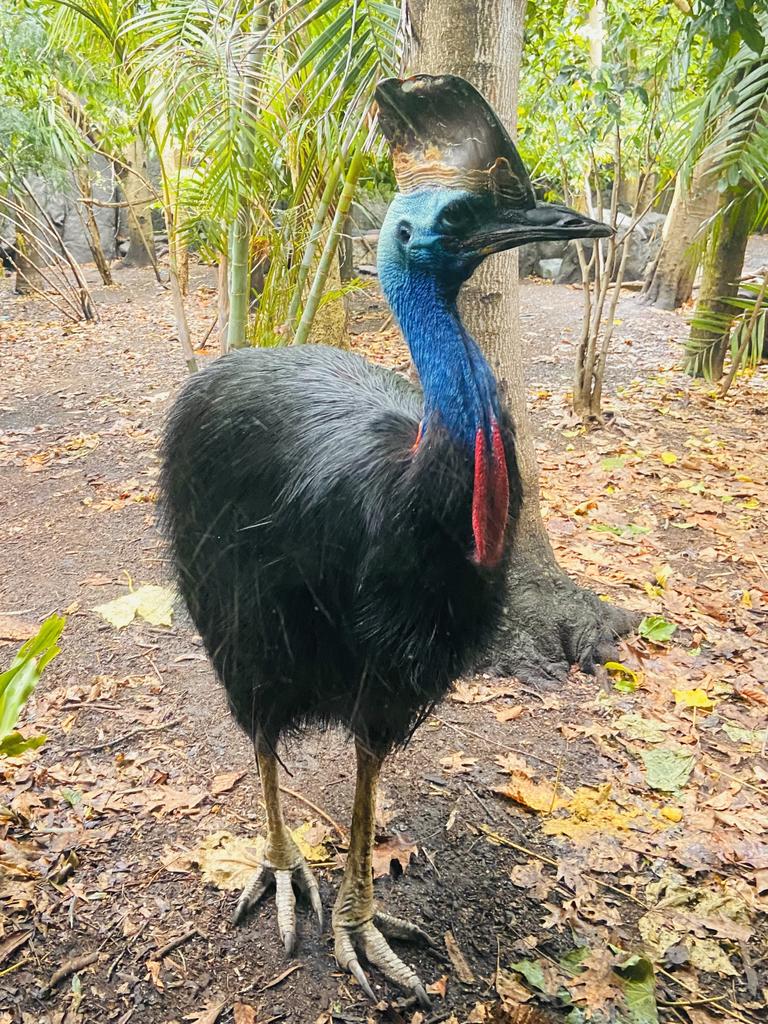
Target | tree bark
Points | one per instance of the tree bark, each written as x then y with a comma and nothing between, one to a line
550,622
133,181
669,282
28,258
723,265
83,179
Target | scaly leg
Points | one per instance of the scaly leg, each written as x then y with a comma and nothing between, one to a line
356,924
282,861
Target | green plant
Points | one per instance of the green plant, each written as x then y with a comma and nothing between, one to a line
19,681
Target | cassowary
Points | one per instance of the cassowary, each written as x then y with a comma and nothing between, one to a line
340,535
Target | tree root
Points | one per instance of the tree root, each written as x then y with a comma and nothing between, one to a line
550,624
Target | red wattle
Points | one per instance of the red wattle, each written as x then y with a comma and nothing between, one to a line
490,500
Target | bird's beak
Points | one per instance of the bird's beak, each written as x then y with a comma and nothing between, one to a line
544,222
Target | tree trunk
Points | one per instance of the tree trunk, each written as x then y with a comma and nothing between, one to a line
28,258
669,282
83,180
138,195
550,621
222,281
723,265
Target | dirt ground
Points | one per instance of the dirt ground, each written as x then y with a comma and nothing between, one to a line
518,826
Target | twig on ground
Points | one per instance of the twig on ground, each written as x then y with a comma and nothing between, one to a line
67,969
131,942
107,744
175,943
341,832
501,746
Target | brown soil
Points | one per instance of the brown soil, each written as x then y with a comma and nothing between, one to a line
137,712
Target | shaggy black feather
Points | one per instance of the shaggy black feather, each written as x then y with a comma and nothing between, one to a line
326,563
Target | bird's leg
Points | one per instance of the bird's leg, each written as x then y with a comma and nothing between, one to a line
282,861
357,927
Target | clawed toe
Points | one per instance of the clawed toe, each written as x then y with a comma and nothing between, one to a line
368,939
283,879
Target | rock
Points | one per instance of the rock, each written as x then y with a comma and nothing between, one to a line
644,242
549,268
554,250
64,211
527,260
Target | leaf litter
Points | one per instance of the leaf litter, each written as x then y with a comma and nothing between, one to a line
635,841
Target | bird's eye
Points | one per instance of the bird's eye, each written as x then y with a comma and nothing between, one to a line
455,218
404,232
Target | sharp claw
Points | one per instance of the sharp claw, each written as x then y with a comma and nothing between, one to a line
286,910
309,885
422,998
359,974
252,893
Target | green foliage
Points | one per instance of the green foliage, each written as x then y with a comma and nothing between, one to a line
570,106
656,629
19,681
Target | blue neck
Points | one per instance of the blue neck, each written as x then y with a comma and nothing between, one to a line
459,387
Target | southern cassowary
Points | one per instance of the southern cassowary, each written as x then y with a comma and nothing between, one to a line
339,534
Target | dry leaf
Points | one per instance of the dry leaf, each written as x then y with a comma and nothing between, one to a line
14,628
458,763
211,1013
244,1013
439,987
535,796
225,782
460,965
226,861
510,714
392,851
152,603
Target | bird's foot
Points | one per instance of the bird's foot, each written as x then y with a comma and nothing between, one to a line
283,866
370,939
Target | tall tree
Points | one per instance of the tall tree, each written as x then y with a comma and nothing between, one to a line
551,622
669,281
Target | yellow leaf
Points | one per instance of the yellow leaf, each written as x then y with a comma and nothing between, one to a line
310,839
750,503
693,699
661,574
668,458
227,861
536,796
746,599
624,674
671,813
152,603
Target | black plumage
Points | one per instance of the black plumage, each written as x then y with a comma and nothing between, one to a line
324,561
340,535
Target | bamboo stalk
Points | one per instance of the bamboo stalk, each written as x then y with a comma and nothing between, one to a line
331,245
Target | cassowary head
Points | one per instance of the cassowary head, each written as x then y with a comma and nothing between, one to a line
464,192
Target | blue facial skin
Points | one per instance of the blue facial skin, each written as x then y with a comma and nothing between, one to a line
421,273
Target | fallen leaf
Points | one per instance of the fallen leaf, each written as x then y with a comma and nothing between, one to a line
510,714
310,837
244,1013
695,698
227,861
393,851
667,770
536,796
211,1013
458,763
14,628
460,965
225,782
152,603
438,988
656,629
